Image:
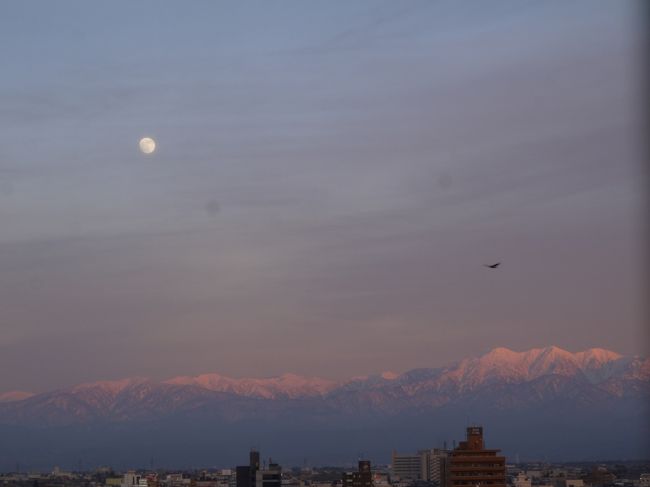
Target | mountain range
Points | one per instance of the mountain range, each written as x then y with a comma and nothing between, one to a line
541,403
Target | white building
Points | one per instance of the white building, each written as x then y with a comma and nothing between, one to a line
523,480
406,467
434,464
426,465
132,479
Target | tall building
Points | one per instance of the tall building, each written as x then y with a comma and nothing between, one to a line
471,464
360,478
254,459
434,465
246,475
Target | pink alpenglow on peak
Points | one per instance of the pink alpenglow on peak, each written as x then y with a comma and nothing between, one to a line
386,375
504,365
287,385
389,375
111,386
597,356
596,366
590,357
537,362
12,396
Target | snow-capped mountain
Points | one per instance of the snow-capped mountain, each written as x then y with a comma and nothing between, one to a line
595,390
502,365
595,373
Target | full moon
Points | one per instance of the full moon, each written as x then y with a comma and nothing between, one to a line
147,145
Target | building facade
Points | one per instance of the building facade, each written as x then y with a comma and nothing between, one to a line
434,465
252,476
269,477
471,464
427,465
406,467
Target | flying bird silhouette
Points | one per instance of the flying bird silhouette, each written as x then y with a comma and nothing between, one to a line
493,266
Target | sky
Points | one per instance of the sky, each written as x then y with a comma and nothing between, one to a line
330,179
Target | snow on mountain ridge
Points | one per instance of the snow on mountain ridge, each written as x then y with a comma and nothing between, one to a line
112,387
500,364
596,364
11,396
290,385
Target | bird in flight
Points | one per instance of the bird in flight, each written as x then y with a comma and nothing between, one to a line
493,266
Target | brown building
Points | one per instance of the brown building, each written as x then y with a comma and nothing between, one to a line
471,464
599,476
362,478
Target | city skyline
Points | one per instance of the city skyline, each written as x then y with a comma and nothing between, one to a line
328,182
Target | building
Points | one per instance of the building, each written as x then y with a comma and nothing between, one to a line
360,478
243,476
599,476
269,477
434,465
522,480
405,467
426,465
471,464
132,479
246,475
225,478
252,475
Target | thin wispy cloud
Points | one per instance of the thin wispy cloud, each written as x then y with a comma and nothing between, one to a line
329,177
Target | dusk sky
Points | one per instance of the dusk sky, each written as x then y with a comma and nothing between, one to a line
330,179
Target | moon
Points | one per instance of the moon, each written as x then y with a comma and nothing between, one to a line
147,145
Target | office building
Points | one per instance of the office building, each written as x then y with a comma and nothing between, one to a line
434,465
426,465
406,467
246,475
